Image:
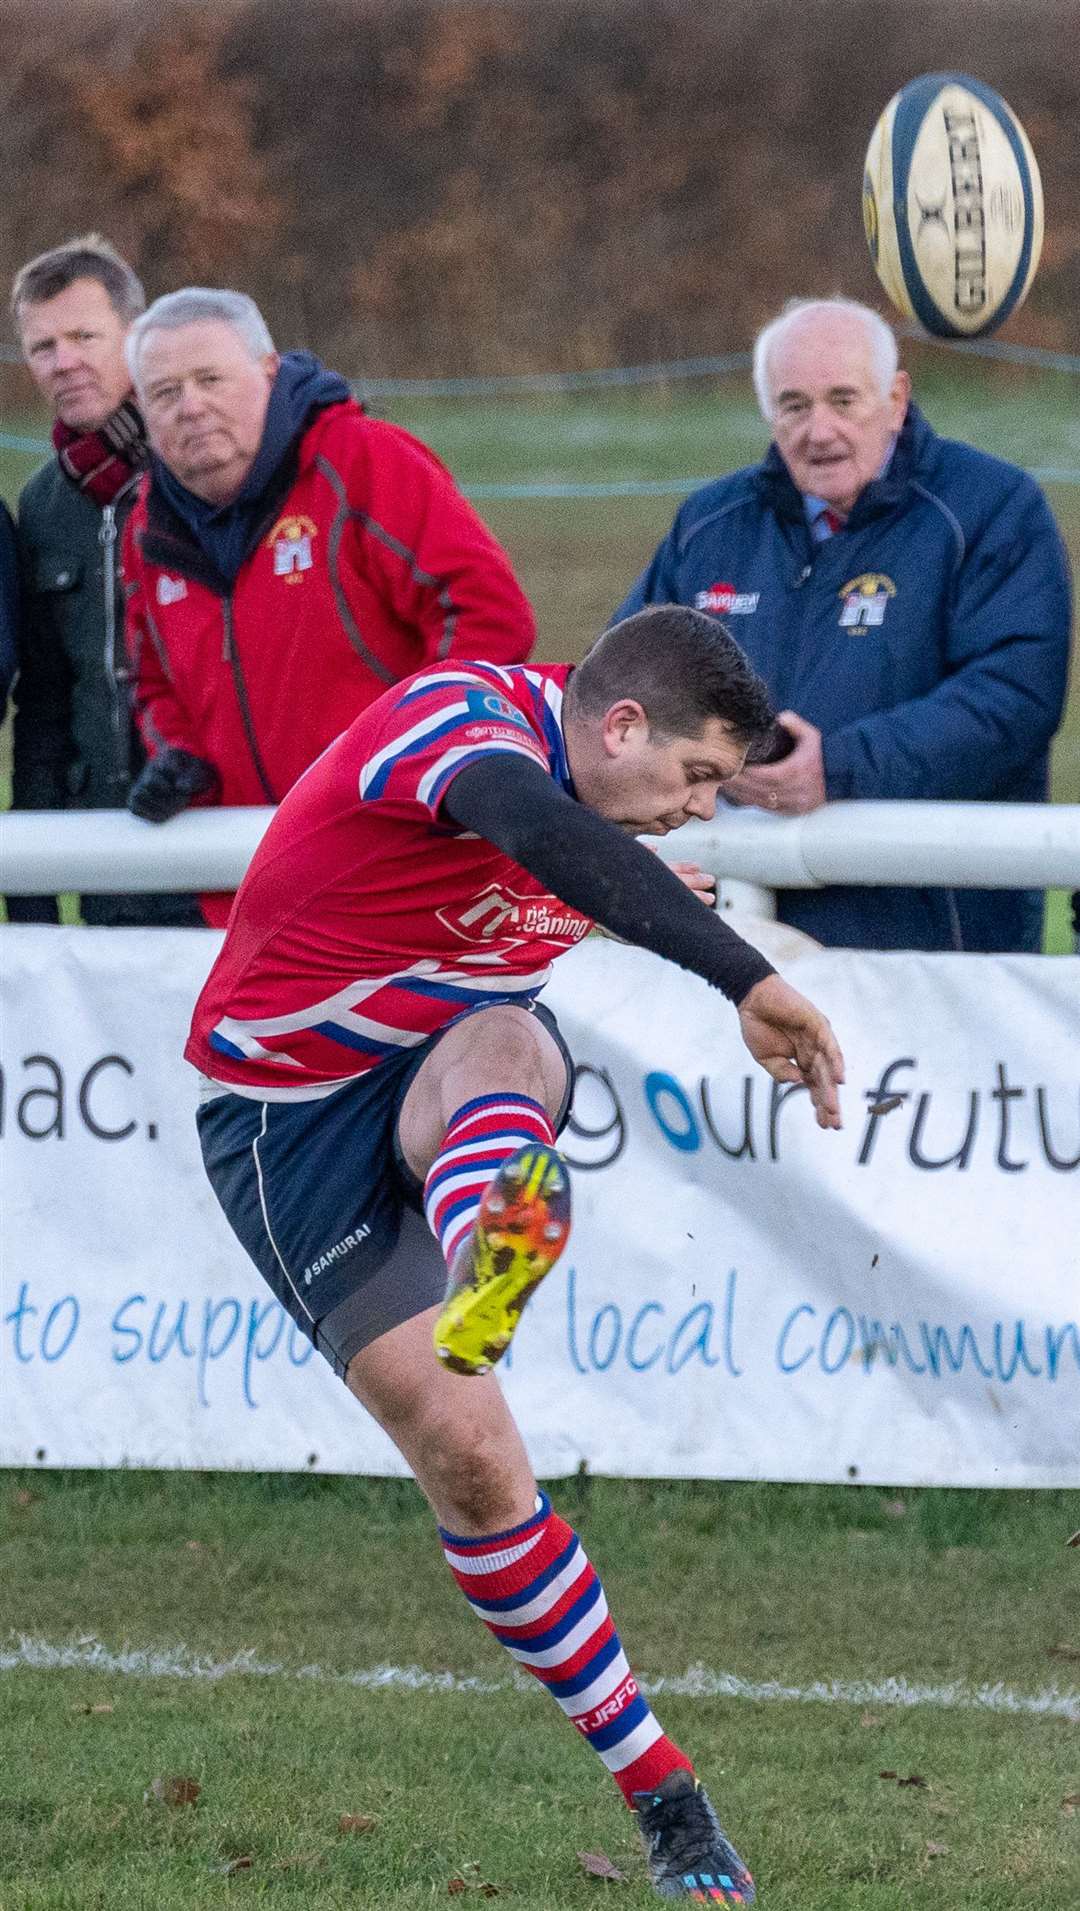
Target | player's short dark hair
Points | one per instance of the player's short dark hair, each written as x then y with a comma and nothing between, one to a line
88,257
683,667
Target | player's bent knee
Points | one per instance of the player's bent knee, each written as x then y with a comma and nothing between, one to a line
506,1048
501,1050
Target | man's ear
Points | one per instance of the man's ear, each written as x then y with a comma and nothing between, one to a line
623,722
900,394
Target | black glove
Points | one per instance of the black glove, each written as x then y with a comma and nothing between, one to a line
168,783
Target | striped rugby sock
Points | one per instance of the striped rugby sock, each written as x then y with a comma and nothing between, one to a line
535,1589
481,1136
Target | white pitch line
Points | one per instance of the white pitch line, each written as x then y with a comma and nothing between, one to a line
178,1662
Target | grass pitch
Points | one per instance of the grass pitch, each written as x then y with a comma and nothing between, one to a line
488,1790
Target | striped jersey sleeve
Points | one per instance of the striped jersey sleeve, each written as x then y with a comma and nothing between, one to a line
445,720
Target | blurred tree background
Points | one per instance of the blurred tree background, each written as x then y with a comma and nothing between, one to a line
448,186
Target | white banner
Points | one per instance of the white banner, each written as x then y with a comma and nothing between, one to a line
744,1295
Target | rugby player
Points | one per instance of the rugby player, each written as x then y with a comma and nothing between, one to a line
373,1052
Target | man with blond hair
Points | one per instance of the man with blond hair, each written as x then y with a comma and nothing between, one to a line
906,599
75,746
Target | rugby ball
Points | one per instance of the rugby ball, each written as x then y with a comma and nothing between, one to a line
952,205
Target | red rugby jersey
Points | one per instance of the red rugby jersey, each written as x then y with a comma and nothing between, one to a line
368,919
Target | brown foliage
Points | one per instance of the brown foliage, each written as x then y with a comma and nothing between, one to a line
602,181
453,185
172,138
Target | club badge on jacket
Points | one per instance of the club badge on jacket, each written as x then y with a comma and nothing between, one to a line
290,541
864,599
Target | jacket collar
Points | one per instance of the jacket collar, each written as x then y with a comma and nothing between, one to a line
913,451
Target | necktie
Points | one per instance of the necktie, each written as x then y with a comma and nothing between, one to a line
830,519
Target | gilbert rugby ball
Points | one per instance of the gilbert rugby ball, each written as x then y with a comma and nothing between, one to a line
952,205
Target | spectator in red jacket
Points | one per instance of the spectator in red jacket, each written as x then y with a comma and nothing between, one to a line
288,558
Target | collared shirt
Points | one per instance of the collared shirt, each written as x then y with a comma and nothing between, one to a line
821,518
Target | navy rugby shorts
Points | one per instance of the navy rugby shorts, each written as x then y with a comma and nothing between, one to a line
320,1195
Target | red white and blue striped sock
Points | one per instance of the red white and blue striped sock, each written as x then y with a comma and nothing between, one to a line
482,1135
535,1589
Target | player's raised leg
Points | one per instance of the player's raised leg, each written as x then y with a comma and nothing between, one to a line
478,1125
525,1573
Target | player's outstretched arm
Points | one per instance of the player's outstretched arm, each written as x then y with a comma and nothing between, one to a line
794,1042
590,864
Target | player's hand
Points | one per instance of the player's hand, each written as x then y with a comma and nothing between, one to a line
793,1041
794,785
699,880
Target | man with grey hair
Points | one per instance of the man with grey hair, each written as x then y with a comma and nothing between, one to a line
289,558
906,599
74,744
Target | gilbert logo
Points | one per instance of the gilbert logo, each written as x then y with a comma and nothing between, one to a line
170,590
725,601
290,541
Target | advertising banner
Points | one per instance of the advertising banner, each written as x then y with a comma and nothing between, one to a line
743,1296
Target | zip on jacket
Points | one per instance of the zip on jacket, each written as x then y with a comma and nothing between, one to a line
117,669
232,658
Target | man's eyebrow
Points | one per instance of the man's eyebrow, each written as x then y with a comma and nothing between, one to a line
170,378
834,391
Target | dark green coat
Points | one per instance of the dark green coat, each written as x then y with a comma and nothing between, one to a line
75,744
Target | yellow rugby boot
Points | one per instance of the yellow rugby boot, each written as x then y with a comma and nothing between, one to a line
518,1236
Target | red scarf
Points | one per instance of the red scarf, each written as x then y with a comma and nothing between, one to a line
101,462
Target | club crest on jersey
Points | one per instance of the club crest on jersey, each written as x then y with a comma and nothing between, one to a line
723,600
502,915
487,706
170,590
290,541
863,601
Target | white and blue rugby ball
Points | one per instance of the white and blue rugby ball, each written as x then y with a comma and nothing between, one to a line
952,205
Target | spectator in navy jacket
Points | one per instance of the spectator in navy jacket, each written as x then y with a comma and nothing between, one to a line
906,599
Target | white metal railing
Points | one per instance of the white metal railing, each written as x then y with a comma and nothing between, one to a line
99,852
949,845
